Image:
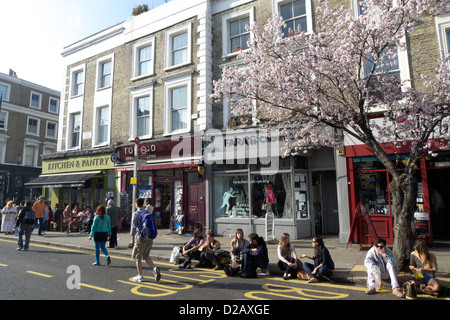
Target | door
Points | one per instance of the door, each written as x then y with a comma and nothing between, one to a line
163,203
196,206
326,215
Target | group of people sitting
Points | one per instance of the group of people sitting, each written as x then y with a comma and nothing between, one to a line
247,255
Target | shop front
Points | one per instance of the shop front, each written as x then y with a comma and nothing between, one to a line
251,183
369,185
172,178
77,179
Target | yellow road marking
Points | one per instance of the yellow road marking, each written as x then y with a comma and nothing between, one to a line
96,288
40,274
3,265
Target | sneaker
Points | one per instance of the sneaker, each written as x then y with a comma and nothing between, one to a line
157,274
19,248
371,291
138,278
108,260
398,293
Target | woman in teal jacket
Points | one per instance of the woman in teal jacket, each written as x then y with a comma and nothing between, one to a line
101,231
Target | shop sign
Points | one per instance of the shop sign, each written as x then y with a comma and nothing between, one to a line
165,149
97,162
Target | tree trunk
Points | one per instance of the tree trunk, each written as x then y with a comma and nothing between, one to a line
404,194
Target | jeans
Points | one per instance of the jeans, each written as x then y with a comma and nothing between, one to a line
322,271
24,229
42,225
100,246
284,266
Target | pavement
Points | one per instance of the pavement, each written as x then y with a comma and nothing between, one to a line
349,262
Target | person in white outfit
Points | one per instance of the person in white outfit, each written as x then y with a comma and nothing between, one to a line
9,214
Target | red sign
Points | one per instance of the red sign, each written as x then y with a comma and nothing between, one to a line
137,140
142,150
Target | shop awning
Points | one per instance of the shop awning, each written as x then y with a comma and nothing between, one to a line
61,180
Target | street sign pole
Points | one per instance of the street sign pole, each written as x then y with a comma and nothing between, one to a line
136,146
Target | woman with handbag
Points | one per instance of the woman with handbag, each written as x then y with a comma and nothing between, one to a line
101,232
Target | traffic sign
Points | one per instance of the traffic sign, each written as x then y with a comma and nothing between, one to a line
142,150
137,140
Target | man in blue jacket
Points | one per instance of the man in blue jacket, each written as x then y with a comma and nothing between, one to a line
255,255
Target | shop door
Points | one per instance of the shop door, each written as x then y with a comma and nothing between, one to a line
196,206
163,197
326,215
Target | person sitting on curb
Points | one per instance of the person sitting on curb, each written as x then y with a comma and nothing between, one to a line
287,257
323,264
381,265
191,249
424,263
255,256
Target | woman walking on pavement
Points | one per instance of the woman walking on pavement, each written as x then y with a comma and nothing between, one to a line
101,232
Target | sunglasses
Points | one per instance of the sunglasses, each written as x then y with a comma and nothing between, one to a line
381,247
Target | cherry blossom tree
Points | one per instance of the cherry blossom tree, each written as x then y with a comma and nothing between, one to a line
338,82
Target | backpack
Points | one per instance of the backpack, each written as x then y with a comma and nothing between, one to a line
29,217
149,230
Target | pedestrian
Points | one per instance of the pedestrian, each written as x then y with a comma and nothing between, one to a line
39,209
140,242
424,265
101,231
287,257
9,214
255,256
323,263
25,222
381,264
57,216
114,214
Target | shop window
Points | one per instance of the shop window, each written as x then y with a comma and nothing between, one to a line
272,193
373,191
301,196
231,196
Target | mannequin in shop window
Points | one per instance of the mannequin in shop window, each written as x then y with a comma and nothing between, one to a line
270,199
226,202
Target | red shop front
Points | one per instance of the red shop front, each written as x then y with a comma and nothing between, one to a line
368,184
173,184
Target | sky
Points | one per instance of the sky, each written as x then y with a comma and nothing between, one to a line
34,33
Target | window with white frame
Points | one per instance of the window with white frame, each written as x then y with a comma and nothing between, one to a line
178,105
53,105
77,83
443,30
31,153
74,130
395,61
143,62
102,125
3,143
235,33
105,74
5,90
179,46
4,120
296,14
142,113
33,125
35,100
51,130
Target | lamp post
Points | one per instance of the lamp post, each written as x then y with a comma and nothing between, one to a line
19,189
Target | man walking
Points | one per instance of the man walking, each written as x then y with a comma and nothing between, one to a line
39,209
24,223
114,214
141,245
